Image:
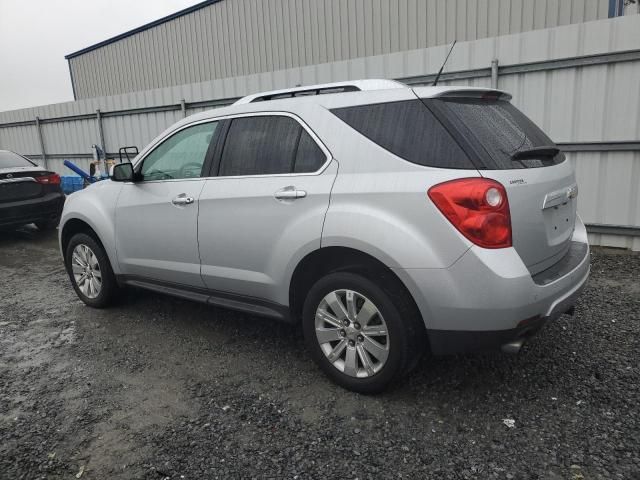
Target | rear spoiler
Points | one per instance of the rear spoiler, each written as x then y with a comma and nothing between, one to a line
456,92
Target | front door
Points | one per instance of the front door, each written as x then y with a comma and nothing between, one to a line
157,216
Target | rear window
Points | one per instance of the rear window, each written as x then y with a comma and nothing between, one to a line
10,159
409,130
499,129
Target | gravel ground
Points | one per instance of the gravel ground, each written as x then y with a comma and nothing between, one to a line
161,388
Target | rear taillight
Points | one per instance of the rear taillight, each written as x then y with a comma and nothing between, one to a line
478,208
49,179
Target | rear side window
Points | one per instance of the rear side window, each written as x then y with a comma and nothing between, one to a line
10,159
269,145
500,129
309,157
409,130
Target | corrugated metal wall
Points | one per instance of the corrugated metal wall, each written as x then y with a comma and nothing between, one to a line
588,103
242,37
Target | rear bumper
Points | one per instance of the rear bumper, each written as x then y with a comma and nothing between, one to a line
488,298
447,342
47,207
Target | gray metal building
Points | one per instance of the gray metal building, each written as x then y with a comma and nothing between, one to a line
229,38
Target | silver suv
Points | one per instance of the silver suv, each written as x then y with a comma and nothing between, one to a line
381,218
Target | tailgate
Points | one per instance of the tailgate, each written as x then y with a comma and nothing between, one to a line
543,211
508,147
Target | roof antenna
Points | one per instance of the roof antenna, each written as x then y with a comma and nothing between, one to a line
435,82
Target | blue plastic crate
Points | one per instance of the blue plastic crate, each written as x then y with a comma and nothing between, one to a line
65,183
71,183
77,182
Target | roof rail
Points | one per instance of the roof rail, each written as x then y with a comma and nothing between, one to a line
325,88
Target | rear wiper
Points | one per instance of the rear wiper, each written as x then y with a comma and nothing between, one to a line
536,152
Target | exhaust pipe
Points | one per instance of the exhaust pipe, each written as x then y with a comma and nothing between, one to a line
513,347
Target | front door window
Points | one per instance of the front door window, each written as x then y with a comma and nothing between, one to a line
181,156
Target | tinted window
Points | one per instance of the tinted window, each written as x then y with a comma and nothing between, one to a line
500,128
10,159
181,155
263,145
309,157
409,130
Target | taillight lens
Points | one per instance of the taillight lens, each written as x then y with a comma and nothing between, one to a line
49,179
478,208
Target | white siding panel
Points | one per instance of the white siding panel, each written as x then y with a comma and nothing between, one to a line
137,129
75,136
22,139
608,187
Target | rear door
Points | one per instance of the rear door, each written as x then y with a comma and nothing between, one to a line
264,205
539,181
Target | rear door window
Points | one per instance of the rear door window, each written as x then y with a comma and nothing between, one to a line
309,156
499,129
269,145
409,130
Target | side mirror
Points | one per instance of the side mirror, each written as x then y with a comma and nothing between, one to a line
128,152
122,172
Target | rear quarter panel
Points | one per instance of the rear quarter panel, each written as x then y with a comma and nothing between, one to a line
379,203
389,216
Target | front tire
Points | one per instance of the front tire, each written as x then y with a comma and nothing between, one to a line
363,336
90,271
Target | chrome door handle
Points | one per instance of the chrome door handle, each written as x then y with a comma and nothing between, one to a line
182,199
289,193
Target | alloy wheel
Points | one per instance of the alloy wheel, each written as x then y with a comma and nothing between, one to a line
86,271
352,333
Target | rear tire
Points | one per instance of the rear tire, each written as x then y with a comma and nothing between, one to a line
47,225
370,360
90,271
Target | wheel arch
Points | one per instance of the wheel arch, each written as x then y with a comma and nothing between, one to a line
326,260
75,225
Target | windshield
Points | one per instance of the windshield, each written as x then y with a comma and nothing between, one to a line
10,159
502,131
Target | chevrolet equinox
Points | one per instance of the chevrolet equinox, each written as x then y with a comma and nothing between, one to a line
380,217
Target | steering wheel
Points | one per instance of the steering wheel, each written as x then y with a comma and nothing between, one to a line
190,166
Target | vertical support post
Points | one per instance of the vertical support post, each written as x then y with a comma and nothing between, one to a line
101,131
183,107
494,73
43,153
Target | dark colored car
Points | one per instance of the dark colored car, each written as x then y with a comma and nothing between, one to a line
28,193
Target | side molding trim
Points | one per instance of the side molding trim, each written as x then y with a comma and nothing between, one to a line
232,301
